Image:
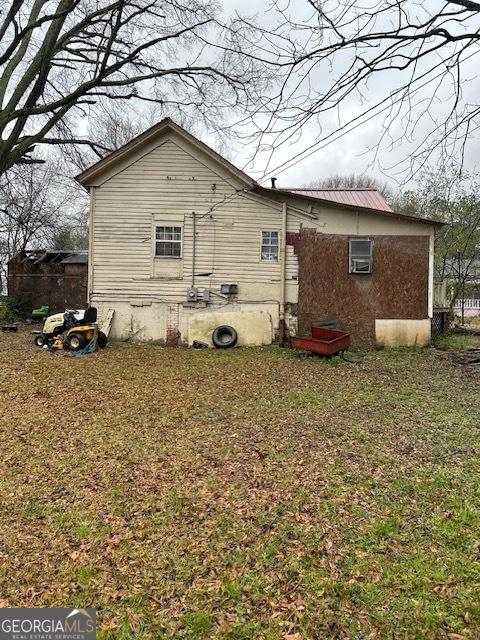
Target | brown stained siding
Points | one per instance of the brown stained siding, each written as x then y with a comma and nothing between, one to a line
397,288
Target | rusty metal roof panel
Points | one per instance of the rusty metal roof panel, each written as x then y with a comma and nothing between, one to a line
364,197
80,257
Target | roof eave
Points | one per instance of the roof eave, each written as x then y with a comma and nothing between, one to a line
101,165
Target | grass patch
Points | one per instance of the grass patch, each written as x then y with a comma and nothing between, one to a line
456,341
247,494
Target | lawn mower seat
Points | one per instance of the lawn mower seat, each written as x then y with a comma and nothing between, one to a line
41,312
90,315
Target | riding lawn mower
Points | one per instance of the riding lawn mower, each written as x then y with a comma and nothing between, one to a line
72,330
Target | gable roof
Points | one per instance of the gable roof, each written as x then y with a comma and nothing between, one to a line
362,197
92,175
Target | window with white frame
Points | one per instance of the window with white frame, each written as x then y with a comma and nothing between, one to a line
269,249
360,256
168,242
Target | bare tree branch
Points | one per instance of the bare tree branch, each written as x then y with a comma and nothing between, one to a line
343,63
58,57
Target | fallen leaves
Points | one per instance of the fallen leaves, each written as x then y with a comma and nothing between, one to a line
320,506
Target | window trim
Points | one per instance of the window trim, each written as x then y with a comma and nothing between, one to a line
350,263
277,259
172,225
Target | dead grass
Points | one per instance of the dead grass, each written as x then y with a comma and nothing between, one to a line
242,494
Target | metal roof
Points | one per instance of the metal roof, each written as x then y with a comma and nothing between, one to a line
46,255
76,258
363,197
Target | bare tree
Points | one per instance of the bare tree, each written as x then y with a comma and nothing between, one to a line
406,64
59,57
71,235
110,127
41,206
29,212
451,196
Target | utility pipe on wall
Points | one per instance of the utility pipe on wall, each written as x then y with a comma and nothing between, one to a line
283,267
90,247
194,238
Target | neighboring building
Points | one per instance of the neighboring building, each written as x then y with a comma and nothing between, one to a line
54,278
182,240
452,272
467,308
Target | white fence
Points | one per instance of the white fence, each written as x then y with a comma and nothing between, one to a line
468,303
471,307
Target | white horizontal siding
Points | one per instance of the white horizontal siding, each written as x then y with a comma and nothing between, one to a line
167,184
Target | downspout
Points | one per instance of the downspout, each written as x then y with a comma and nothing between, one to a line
193,247
283,268
90,248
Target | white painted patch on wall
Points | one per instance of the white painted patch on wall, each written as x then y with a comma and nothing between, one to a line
252,327
403,333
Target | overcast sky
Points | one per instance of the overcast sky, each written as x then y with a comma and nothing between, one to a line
356,151
363,150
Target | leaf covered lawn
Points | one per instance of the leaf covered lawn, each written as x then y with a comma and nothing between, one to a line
246,494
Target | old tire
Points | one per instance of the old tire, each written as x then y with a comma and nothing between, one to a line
102,340
41,340
224,337
75,342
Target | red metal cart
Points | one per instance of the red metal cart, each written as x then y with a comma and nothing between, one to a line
325,341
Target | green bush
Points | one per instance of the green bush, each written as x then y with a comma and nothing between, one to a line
13,308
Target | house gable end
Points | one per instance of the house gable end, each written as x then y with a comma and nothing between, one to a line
150,140
171,159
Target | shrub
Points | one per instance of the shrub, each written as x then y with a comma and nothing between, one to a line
13,308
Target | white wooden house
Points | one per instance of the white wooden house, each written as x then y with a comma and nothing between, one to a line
182,240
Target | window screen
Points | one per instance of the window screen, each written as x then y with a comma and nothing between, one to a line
360,256
269,249
168,242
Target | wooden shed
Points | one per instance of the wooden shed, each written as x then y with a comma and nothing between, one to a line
55,278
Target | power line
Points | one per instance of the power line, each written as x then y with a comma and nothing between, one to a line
299,157
333,136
